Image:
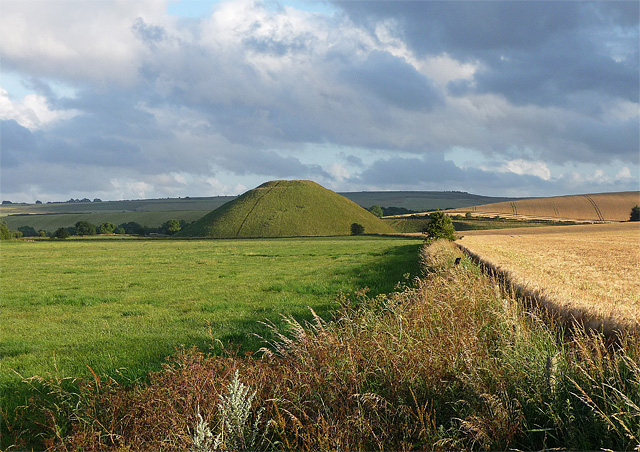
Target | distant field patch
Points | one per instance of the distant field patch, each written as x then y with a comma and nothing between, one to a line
592,207
588,271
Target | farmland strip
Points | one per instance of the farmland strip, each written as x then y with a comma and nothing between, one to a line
595,206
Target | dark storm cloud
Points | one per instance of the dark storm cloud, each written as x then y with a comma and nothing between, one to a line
17,144
268,163
393,81
530,52
251,90
433,172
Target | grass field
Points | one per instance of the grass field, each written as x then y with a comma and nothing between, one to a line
112,304
450,361
589,271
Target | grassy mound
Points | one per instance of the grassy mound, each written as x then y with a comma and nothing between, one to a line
286,209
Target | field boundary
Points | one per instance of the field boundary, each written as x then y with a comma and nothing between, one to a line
534,298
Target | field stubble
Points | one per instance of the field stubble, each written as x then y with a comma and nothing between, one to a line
587,272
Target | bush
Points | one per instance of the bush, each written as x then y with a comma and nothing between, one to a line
61,233
106,228
468,215
170,227
85,228
635,213
28,231
5,233
440,227
376,210
357,229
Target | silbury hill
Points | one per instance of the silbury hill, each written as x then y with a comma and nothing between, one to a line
286,209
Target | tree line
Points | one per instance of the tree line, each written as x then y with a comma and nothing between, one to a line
85,228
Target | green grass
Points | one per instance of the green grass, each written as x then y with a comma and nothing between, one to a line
126,304
449,362
286,209
412,225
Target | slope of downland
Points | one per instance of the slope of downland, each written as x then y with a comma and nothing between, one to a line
286,209
590,207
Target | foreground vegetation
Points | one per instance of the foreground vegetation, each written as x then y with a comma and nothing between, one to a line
448,362
118,307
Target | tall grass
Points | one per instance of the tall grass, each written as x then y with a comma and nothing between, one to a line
447,362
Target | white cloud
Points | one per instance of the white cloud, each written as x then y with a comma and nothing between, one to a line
75,40
623,174
32,111
527,167
338,171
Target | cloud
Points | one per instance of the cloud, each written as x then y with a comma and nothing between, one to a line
32,112
394,82
520,166
124,91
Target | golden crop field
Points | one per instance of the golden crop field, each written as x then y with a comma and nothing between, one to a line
590,272
592,207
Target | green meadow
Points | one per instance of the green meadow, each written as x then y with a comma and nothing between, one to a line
121,306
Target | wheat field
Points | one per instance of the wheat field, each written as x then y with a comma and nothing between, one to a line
587,272
592,207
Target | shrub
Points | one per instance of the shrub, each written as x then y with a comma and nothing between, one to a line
440,227
106,228
85,228
635,213
376,210
468,215
28,231
61,233
5,233
357,229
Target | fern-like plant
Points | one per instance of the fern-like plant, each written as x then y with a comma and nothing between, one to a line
235,410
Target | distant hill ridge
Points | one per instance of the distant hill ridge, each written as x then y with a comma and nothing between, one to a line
588,207
286,209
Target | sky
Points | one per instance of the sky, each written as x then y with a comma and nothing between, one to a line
129,99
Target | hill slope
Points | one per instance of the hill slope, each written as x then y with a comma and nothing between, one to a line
285,209
592,207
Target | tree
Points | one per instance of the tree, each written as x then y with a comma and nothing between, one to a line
5,233
85,228
61,233
357,229
468,215
106,228
131,227
170,227
376,210
119,231
440,226
28,231
635,213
